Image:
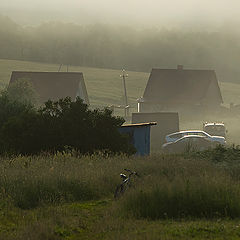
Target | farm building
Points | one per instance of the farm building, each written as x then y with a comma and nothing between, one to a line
167,122
180,89
54,85
139,136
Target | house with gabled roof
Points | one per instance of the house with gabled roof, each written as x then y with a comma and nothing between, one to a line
54,85
179,89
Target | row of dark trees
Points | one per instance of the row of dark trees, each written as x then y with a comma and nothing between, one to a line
57,126
116,47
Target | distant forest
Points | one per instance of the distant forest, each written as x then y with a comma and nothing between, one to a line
108,46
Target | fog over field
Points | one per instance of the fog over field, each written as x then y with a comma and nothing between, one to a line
174,13
133,34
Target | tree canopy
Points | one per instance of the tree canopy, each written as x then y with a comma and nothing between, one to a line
58,125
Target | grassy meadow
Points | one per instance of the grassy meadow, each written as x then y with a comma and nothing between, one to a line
66,197
104,86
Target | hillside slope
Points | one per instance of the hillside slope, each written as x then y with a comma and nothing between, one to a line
104,86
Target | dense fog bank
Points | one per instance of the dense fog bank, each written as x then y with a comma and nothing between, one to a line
115,46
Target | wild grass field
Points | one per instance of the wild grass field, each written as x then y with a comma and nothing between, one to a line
62,196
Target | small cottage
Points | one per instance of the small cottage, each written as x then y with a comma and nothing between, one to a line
180,89
54,85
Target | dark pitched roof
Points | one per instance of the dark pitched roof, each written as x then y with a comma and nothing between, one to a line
54,85
178,85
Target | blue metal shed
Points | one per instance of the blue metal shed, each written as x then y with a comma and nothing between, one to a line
140,136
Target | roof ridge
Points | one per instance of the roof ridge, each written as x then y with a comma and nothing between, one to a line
182,70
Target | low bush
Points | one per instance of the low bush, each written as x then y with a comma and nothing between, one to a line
220,154
59,125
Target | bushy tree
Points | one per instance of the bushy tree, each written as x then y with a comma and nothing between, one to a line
21,91
61,124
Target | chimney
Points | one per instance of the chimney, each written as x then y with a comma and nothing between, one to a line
179,67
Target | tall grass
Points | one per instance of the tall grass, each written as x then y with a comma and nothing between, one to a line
188,187
28,182
172,186
197,197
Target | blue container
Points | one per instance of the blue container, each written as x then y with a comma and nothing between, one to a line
139,135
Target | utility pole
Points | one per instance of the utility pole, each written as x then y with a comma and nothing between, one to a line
124,75
59,67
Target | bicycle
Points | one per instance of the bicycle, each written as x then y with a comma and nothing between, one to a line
126,183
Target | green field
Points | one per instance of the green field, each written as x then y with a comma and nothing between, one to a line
104,86
64,197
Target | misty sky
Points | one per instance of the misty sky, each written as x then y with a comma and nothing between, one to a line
142,12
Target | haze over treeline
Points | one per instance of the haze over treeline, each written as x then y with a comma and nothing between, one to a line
136,35
171,13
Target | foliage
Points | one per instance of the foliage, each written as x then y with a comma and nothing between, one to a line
10,109
58,125
220,154
21,91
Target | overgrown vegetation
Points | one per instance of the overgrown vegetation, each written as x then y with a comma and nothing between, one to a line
21,91
57,126
205,184
197,197
221,154
75,194
175,186
29,182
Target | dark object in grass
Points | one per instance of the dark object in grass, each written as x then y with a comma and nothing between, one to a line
126,183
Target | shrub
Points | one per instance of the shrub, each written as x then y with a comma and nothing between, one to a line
60,124
21,91
220,154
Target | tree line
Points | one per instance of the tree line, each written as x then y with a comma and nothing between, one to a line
108,46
